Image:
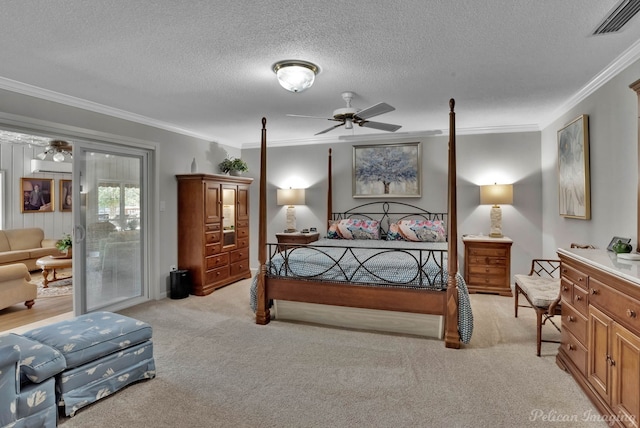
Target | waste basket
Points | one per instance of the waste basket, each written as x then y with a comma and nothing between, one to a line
180,284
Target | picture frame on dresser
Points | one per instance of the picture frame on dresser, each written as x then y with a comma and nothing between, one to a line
615,239
574,193
387,170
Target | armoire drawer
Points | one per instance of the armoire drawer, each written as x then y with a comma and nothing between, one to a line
216,261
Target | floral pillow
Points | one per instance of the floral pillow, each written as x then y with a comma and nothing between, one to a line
418,230
352,228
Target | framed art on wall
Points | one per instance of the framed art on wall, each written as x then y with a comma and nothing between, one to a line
36,194
65,196
387,171
573,169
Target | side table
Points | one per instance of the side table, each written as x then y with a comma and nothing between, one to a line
487,264
291,240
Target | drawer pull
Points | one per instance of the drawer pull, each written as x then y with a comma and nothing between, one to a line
571,347
580,279
631,313
565,288
611,361
594,291
578,298
571,318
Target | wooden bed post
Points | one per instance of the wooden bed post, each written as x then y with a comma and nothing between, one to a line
329,192
262,312
452,336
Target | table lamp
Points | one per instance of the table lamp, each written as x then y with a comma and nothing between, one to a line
290,197
496,195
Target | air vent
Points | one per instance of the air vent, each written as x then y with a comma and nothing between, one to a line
618,18
38,165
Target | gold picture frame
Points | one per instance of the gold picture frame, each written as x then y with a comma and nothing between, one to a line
37,195
387,171
574,193
65,192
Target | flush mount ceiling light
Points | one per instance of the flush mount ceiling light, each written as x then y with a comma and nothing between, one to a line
295,75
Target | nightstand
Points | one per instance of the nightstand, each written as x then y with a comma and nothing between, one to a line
295,238
487,264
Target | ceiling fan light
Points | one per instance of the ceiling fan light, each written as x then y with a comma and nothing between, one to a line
348,123
58,157
295,76
42,155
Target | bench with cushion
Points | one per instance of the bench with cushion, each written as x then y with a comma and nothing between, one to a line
104,352
541,288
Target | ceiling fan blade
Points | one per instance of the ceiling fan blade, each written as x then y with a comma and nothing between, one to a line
329,129
374,110
310,117
381,126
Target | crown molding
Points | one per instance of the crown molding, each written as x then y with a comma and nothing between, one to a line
628,57
37,92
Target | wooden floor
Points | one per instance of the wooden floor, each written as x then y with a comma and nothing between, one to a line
17,316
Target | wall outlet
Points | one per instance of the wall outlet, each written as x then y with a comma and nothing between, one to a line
172,268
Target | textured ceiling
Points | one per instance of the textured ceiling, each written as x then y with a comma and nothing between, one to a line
204,67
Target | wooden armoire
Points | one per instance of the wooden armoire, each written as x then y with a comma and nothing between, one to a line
213,229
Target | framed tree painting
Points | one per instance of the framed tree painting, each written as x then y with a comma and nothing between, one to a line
65,195
573,169
36,194
387,171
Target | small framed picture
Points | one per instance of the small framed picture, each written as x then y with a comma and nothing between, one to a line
65,196
615,240
36,195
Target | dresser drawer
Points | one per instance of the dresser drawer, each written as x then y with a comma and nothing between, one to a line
487,252
217,275
574,322
486,280
242,223
240,267
566,290
575,276
626,309
488,270
575,350
212,237
242,232
580,300
487,261
243,242
238,255
217,260
212,249
212,227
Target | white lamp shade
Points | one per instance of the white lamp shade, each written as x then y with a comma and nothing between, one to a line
290,197
496,194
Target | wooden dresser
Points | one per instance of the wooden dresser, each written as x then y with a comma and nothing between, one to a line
487,264
600,340
213,229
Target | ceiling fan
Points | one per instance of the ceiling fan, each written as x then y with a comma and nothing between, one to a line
349,116
59,149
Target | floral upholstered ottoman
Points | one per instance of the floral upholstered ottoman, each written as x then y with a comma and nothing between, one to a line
104,352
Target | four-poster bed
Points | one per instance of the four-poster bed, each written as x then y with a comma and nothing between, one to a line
360,272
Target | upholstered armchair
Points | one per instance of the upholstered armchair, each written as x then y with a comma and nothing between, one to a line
15,286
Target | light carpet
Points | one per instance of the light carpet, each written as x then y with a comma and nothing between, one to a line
217,368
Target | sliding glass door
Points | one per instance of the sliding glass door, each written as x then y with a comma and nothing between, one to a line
111,223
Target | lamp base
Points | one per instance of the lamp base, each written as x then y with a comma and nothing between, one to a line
496,222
